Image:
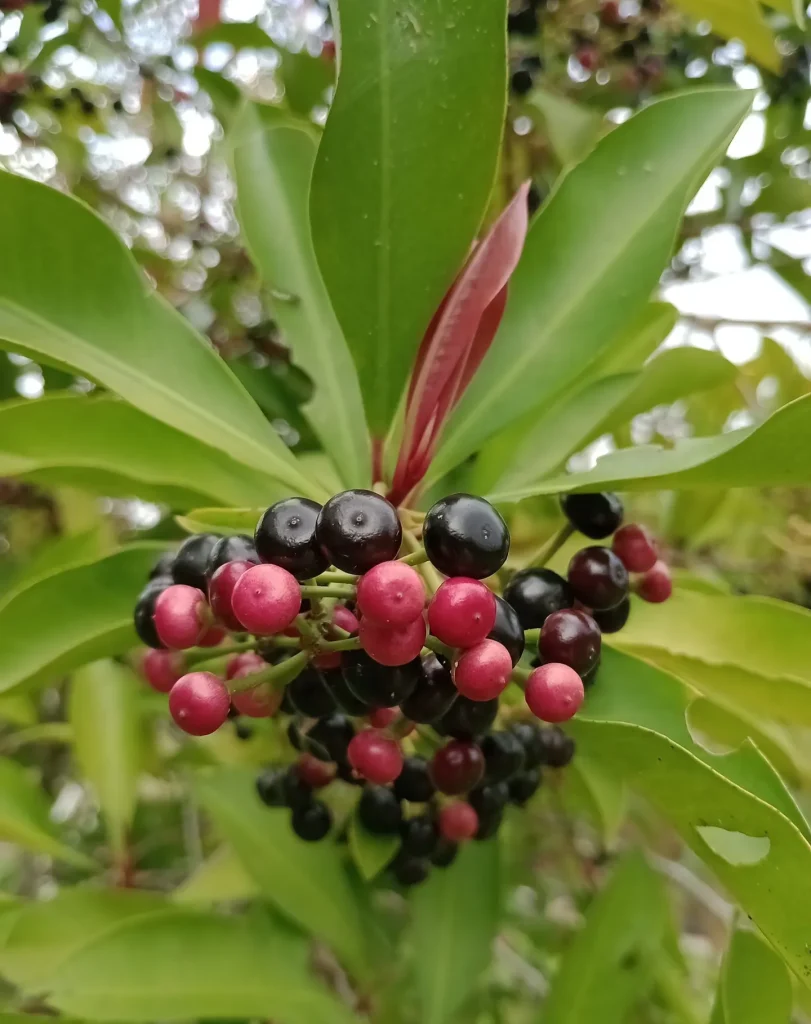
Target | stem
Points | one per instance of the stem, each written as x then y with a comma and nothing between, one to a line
277,676
307,629
531,636
551,547
197,655
332,590
438,647
352,643
432,578
335,577
426,733
520,676
415,558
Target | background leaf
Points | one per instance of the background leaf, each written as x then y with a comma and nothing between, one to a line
221,520
755,985
220,877
572,128
370,853
738,19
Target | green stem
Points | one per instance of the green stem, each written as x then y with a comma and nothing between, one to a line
352,643
438,647
277,676
531,637
415,558
197,655
335,576
432,578
332,590
551,547
43,732
520,676
426,733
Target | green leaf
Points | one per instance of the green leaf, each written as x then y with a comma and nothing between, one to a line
92,312
607,968
60,552
307,882
755,985
592,259
369,852
306,80
87,610
455,917
24,816
738,19
224,95
273,164
220,878
104,715
572,128
103,445
221,520
762,456
606,795
404,173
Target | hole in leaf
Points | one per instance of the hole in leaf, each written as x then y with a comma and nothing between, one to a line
708,729
735,848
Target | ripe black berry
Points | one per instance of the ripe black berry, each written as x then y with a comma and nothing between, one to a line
418,836
489,824
238,548
145,610
163,566
309,694
467,719
571,637
342,695
243,731
523,22
445,853
508,630
595,515
598,578
589,677
531,736
433,694
465,536
357,530
614,619
503,756
414,782
271,789
334,733
521,82
535,594
191,560
559,748
297,793
379,811
285,536
379,686
488,800
525,786
313,822
410,870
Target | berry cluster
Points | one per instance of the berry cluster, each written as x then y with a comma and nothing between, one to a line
385,674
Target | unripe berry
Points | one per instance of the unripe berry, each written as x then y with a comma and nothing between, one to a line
266,599
199,703
182,616
314,773
375,756
390,646
483,672
635,548
457,767
572,638
656,585
554,693
462,612
220,589
458,822
162,669
391,594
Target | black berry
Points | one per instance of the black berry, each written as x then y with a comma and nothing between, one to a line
271,789
445,853
433,694
163,566
508,630
379,686
379,811
467,719
489,824
410,870
571,637
342,695
243,731
309,694
531,737
614,619
145,609
521,82
334,733
297,793
524,786
465,536
595,515
191,561
489,799
503,756
589,677
559,748
535,594
238,548
357,530
285,536
414,782
523,22
419,836
312,822
598,578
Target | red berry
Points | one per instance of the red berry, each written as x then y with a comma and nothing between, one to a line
260,702
462,612
458,822
554,692
182,617
162,669
266,599
389,646
381,718
391,594
314,773
656,585
482,672
635,548
610,14
221,587
457,767
346,619
243,664
212,636
571,637
199,703
375,757
588,56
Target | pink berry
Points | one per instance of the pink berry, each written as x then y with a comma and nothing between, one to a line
656,585
375,757
462,612
346,619
243,664
162,669
266,599
314,773
482,672
382,718
457,767
391,594
635,548
260,702
458,822
213,635
221,587
390,646
554,692
199,703
182,616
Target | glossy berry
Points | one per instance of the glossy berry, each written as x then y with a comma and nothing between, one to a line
614,619
285,536
524,786
356,530
260,702
635,548
589,677
535,594
594,515
315,773
379,811
503,756
270,787
182,617
418,836
346,619
507,630
297,792
266,599
199,703
143,615
445,853
483,672
313,822
458,822
467,719
392,646
465,536
240,665
310,695
598,578
559,749
656,585
414,783
220,589
191,561
434,693
163,566
238,548
333,734
391,594
554,692
532,738
382,718
410,870
487,800
462,612
457,767
572,638
162,669
341,694
489,824
375,757
379,686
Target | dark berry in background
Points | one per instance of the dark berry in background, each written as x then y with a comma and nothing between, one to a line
444,854
410,870
190,564
594,515
524,786
163,566
357,530
503,756
418,835
342,695
379,811
558,748
334,734
535,594
379,686
598,578
467,719
489,824
465,536
285,536
143,616
271,789
238,548
414,782
457,767
614,619
488,799
310,695
531,737
507,630
312,822
433,694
